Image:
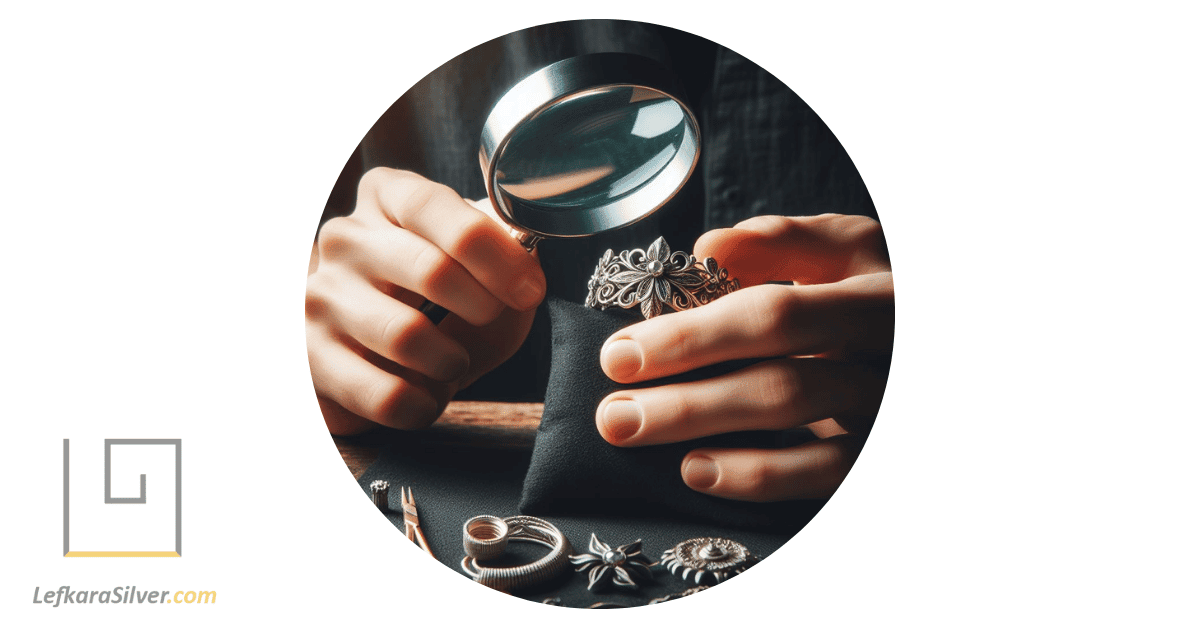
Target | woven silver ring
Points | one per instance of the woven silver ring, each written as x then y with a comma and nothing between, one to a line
656,278
532,530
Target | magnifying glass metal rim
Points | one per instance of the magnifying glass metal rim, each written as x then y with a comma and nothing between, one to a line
552,85
562,81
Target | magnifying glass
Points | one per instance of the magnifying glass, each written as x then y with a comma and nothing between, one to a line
583,146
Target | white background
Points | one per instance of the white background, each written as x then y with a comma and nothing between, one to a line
1034,166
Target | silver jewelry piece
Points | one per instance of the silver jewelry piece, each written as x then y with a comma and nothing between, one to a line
379,494
532,530
485,537
708,560
655,278
622,566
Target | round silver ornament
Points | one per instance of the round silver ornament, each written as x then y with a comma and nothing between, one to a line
708,560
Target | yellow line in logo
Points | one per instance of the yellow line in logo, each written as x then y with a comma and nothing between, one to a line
122,555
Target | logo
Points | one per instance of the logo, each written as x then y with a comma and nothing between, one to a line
146,525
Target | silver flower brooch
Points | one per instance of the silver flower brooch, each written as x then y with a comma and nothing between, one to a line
623,566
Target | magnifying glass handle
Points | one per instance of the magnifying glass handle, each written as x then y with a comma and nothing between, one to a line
436,313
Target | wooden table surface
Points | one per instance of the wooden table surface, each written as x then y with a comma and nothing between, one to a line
482,423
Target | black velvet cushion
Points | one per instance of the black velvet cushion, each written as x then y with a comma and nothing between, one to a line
574,470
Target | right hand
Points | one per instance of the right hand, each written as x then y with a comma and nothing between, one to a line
375,358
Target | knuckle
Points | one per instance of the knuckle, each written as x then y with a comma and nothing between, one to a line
769,226
486,310
336,238
412,195
317,295
380,400
832,464
401,193
780,389
756,479
371,181
416,195
475,236
773,311
674,409
433,268
399,330
395,402
441,192
860,231
677,340
375,179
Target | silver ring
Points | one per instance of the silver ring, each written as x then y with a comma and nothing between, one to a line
655,278
532,530
485,537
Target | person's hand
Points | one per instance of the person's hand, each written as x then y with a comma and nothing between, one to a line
375,358
829,334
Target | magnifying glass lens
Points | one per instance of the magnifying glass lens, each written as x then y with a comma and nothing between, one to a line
583,146
593,148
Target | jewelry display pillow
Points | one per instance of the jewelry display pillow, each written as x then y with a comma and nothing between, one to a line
574,470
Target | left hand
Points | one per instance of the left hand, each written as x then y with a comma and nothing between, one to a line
829,334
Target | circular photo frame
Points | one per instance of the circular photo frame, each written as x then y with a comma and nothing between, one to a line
608,290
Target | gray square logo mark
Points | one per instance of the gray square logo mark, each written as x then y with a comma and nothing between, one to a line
110,499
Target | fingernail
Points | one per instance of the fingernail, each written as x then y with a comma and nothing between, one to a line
701,472
528,293
622,359
621,419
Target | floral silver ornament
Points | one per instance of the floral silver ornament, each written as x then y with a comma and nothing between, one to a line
708,560
656,278
622,566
